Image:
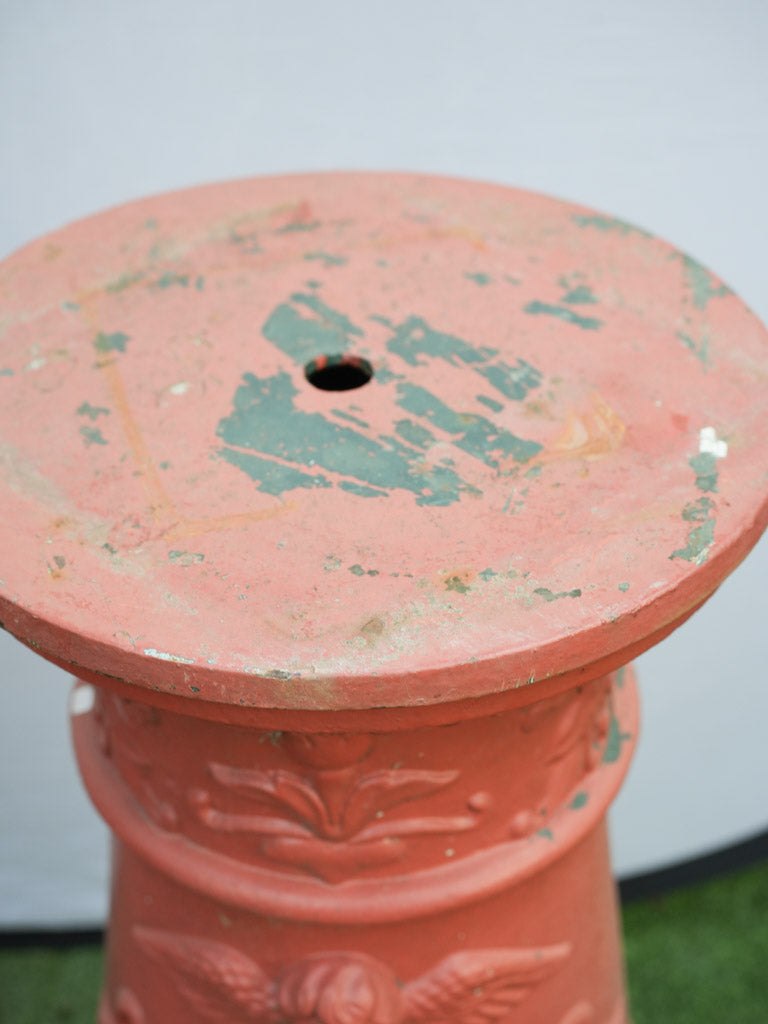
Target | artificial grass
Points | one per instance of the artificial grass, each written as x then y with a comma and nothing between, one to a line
695,956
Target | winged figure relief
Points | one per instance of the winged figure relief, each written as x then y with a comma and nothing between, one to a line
224,986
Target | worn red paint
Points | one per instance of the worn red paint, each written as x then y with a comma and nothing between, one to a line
299,471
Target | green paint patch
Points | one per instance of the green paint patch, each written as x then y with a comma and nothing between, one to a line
705,466
171,278
512,381
457,584
479,278
545,833
92,435
476,435
701,282
580,800
621,676
700,540
328,259
491,403
698,511
6,372
114,342
303,338
358,570
109,548
549,595
533,472
60,561
265,420
272,477
699,348
200,283
603,223
487,574
298,225
624,587
414,338
185,557
119,284
92,411
70,307
194,689
616,739
414,433
586,323
581,294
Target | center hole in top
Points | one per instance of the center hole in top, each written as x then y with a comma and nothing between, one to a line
338,373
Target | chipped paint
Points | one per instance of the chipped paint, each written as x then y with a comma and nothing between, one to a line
705,466
92,411
114,342
479,278
604,223
152,652
569,316
701,282
614,742
548,595
580,800
328,259
92,435
185,557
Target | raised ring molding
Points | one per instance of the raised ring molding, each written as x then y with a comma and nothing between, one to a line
422,892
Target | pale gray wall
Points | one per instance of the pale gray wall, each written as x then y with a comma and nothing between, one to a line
655,111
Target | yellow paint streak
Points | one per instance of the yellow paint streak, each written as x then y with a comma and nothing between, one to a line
589,434
191,527
160,504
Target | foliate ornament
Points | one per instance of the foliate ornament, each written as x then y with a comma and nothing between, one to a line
125,729
331,821
224,985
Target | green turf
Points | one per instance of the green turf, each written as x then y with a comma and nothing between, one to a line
696,956
700,955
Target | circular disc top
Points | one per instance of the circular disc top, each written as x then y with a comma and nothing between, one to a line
363,440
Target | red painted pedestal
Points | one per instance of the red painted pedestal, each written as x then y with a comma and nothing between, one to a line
347,497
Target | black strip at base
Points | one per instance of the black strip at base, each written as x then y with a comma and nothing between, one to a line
700,869
638,887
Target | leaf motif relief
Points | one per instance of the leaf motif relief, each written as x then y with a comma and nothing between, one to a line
330,822
224,986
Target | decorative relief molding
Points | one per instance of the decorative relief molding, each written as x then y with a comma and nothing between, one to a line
331,820
222,984
125,735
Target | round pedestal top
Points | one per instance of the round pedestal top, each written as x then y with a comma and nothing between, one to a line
360,440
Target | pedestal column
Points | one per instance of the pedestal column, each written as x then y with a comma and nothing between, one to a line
451,872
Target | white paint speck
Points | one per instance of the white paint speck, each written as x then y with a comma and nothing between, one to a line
180,388
82,699
449,852
152,653
36,363
710,444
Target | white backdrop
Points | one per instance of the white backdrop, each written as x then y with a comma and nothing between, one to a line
655,111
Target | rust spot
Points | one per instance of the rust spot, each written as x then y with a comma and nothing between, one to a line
372,630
